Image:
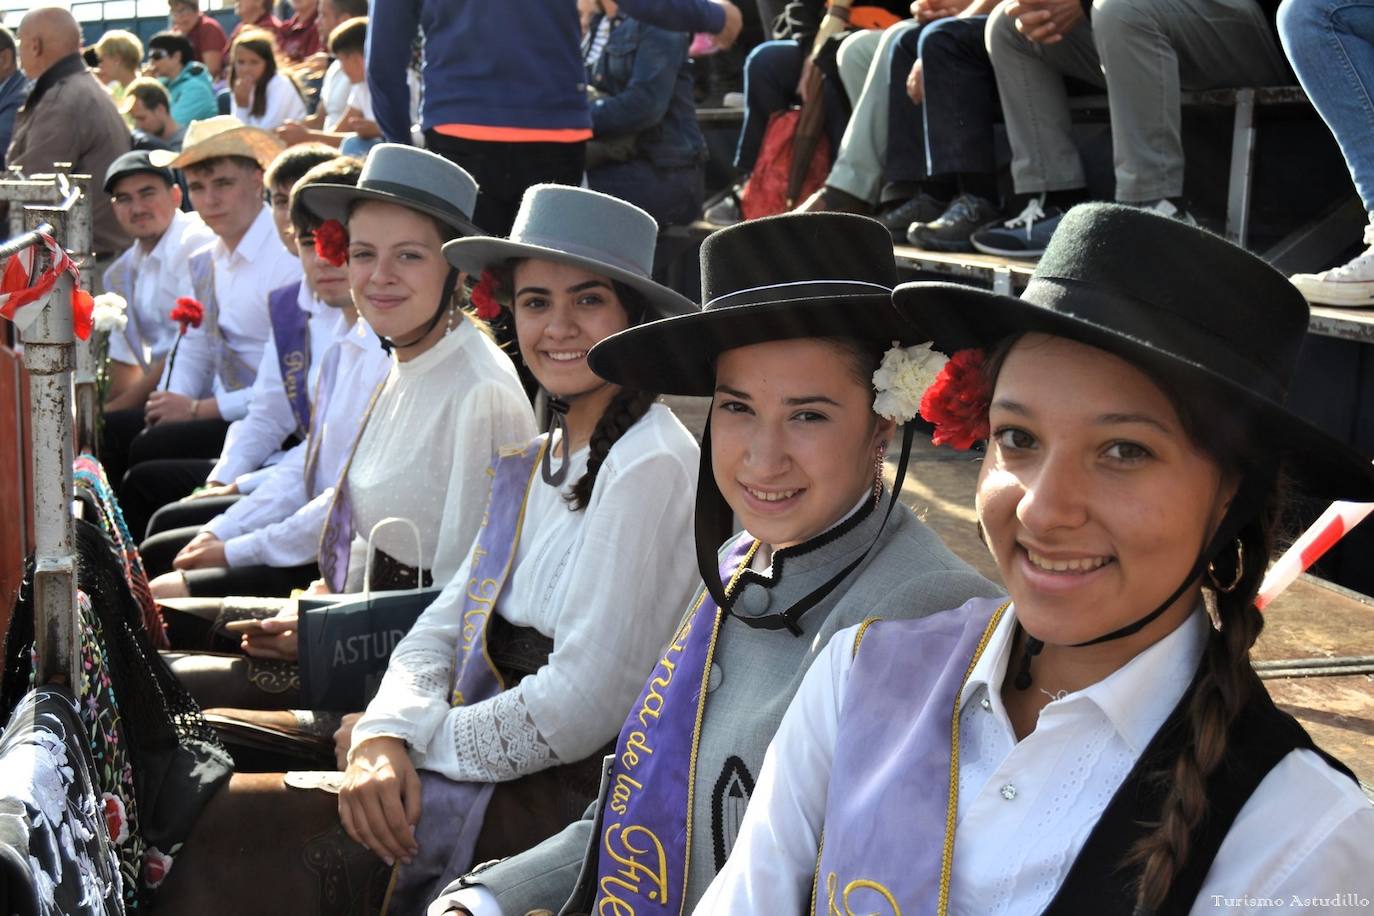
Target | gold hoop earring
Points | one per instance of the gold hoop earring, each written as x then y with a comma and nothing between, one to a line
1240,571
878,474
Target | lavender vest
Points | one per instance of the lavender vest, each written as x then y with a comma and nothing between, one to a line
451,813
646,829
291,335
887,825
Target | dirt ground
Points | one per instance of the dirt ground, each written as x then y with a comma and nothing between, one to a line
1310,620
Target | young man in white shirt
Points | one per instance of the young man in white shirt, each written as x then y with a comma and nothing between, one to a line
266,542
208,383
149,275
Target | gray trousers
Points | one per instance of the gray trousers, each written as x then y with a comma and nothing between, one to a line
1144,53
864,60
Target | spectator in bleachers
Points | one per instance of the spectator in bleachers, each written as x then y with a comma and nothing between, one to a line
504,85
211,383
775,74
946,72
188,81
254,14
207,38
150,274
1331,46
355,132
646,146
1144,53
150,107
300,36
68,117
14,88
335,86
120,54
263,96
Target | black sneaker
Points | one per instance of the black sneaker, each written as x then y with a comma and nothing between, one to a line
920,209
950,231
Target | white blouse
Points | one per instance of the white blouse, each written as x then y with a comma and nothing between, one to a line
284,103
426,447
1026,808
607,583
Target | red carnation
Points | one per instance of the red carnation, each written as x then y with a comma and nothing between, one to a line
483,296
958,401
331,243
188,313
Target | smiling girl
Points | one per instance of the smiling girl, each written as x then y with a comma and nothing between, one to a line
585,530
1100,743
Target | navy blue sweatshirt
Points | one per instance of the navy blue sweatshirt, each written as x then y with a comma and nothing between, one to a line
497,63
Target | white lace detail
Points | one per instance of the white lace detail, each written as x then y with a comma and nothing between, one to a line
427,672
497,740
1027,217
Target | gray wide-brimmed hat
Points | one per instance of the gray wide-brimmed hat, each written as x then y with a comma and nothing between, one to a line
595,231
406,176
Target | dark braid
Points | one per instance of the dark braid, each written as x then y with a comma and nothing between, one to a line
1227,683
624,411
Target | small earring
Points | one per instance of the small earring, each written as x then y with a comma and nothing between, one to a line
1209,602
1240,571
878,474
452,320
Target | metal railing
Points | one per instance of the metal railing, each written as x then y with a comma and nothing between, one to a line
53,361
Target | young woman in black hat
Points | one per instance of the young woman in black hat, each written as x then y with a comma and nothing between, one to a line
1100,743
579,556
797,319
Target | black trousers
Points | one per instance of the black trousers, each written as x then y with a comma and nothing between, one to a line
150,485
504,170
220,582
189,513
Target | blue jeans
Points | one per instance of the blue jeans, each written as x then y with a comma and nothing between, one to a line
1331,46
771,73
671,196
951,133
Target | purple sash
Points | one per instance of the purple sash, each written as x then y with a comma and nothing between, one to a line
291,333
646,825
889,785
451,813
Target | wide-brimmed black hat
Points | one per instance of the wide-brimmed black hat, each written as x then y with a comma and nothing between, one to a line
778,278
406,175
1175,300
595,231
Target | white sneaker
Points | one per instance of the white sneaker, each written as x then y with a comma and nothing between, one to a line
1165,207
1350,285
724,212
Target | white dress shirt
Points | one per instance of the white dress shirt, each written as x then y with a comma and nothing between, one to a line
424,452
284,104
1026,808
255,441
159,278
607,583
334,93
280,523
243,278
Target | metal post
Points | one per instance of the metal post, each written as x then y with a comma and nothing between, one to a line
75,193
48,357
1242,168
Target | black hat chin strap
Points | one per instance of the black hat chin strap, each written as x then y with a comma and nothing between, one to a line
445,303
714,524
558,424
1244,507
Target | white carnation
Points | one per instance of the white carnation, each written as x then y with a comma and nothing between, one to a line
108,314
903,377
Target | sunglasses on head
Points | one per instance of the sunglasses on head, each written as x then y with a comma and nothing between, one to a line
156,54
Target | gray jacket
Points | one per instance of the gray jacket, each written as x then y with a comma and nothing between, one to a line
909,573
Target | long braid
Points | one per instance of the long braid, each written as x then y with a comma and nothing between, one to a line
624,411
1227,683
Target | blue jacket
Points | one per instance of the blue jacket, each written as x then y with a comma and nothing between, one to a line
646,78
516,63
13,92
193,95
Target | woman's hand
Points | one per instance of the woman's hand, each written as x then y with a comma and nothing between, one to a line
243,91
213,489
343,738
277,638
379,803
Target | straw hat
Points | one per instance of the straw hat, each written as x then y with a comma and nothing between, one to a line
223,135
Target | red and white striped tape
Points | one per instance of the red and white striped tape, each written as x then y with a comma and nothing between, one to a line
22,295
